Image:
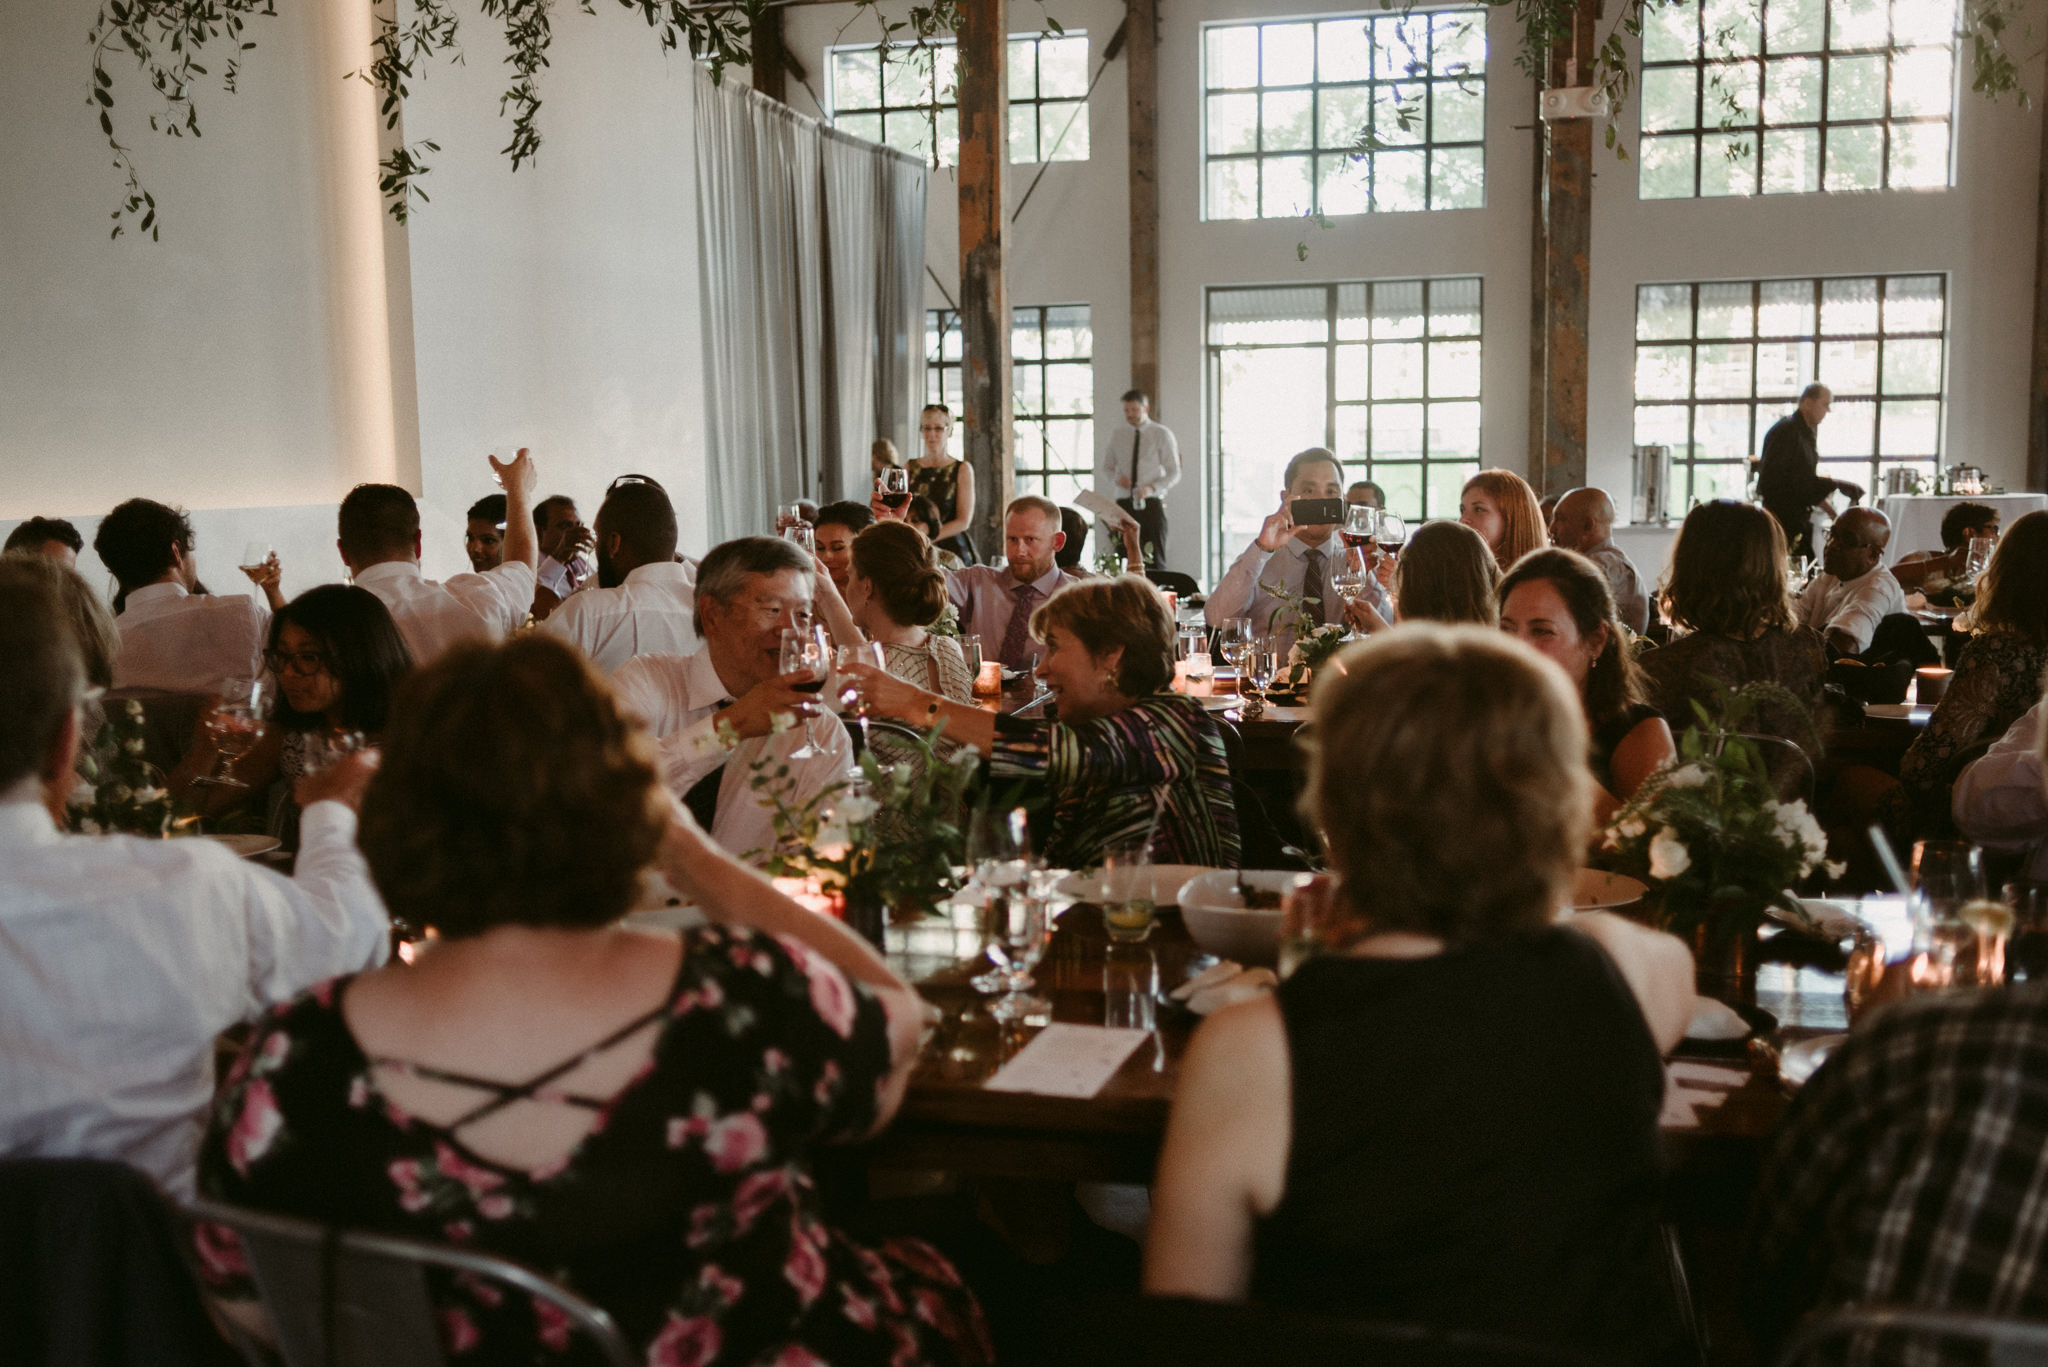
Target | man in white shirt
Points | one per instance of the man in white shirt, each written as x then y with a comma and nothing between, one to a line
173,638
1999,800
563,542
996,603
1584,522
646,600
1300,559
121,959
380,543
1854,591
1140,462
718,714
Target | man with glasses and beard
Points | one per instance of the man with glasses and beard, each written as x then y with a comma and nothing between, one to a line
645,602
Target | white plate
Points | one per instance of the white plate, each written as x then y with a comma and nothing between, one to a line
1800,1061
1166,883
1599,890
1896,711
249,846
1220,704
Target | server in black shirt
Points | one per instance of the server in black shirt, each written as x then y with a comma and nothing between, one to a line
1788,484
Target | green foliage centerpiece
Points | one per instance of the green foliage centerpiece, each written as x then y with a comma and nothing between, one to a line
120,789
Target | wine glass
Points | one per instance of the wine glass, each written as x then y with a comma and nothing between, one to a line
1361,524
1978,558
324,749
1948,875
1391,534
1262,665
803,535
893,484
1239,636
999,853
804,650
1020,929
235,725
787,515
255,556
1353,572
852,698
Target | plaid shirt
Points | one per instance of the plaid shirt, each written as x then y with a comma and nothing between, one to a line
1912,1170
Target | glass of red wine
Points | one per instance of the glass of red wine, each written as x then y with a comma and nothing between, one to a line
806,650
894,486
1391,534
1361,523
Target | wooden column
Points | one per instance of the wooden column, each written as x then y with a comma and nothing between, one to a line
1141,67
2037,399
984,264
771,69
1567,260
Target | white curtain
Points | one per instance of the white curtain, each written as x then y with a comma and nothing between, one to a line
812,256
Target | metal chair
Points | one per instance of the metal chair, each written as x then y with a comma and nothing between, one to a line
1786,761
347,1298
2008,1343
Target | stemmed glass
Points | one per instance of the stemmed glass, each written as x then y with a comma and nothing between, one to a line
1978,558
328,748
1947,876
805,650
1239,639
1361,525
235,725
1256,675
893,484
851,696
1353,573
1391,534
999,853
803,535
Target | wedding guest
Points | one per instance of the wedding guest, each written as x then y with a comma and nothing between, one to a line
634,1111
1854,591
380,543
882,455
645,601
99,645
1126,751
948,482
50,536
1446,574
174,638
1365,494
836,526
895,591
1448,1117
997,603
483,540
336,655
1074,527
1501,507
563,541
1559,603
1998,675
1300,560
1937,571
1727,592
1584,522
1999,801
714,714
122,959
1903,1173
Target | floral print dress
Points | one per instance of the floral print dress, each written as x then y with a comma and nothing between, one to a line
688,1212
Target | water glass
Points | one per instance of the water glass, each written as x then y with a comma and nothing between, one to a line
970,647
1130,987
1979,557
1123,889
2026,950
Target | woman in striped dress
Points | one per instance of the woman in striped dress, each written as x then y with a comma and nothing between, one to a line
1125,746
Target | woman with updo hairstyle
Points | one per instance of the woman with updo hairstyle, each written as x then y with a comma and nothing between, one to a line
632,1109
1447,1117
894,592
1562,605
1502,508
1446,573
1128,755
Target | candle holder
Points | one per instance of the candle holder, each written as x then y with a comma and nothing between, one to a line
989,682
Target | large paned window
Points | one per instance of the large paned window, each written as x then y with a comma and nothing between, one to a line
1718,363
1052,374
910,95
1744,97
1345,116
1384,372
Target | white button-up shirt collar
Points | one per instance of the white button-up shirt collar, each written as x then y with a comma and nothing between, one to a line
651,613
434,616
182,642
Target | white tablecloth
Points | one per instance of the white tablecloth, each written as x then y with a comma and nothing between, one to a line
1916,518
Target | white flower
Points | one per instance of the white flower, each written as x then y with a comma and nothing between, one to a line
855,808
1798,829
120,792
1295,655
1631,829
779,722
831,831
1687,776
149,795
899,772
1668,855
966,757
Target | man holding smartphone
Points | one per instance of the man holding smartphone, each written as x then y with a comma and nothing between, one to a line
1297,550
1140,463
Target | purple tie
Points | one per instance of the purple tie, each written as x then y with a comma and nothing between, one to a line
1312,585
1016,650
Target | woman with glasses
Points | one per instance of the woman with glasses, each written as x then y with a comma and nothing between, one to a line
335,654
947,482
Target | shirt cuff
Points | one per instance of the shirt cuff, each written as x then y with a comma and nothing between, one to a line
327,822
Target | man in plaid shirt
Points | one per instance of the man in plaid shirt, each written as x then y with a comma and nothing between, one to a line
1912,1170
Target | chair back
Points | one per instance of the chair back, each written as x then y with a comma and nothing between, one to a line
168,720
1829,1337
347,1298
1174,581
1786,762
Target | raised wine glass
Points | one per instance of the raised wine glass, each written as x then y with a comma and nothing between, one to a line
893,484
235,725
1353,572
1361,524
852,699
1391,534
803,535
804,651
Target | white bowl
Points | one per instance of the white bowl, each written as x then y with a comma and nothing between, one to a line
1599,890
1220,922
1162,881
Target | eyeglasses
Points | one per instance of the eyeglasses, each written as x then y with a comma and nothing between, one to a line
634,479
298,661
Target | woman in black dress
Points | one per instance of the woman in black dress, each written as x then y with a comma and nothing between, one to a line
947,482
1449,1118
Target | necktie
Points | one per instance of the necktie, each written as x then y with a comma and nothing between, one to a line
1312,583
1016,647
1134,464
702,799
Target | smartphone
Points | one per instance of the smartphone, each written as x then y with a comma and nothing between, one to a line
1317,512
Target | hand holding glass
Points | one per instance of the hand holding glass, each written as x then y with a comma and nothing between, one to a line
235,725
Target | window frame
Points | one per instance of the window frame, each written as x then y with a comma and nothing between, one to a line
940,324
940,103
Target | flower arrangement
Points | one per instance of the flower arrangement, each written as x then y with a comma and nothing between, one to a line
1711,836
1313,644
120,790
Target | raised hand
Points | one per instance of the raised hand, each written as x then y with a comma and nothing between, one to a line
516,475
1278,526
754,712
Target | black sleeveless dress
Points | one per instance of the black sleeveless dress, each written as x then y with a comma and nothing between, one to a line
942,487
1475,1147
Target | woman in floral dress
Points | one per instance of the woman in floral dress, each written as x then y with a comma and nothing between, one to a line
628,1112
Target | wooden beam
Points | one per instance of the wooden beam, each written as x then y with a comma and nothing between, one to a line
771,71
1568,264
1141,69
984,264
2037,407
1539,290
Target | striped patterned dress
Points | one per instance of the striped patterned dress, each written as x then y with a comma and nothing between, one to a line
1106,776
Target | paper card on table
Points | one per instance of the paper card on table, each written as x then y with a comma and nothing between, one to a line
1068,1060
1712,1076
1679,1109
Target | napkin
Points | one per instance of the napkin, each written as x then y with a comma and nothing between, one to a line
1222,984
1068,1060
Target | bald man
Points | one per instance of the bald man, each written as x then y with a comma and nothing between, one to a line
1584,522
1854,591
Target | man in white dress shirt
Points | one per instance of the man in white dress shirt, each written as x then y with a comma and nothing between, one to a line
1299,559
1999,800
1584,522
380,543
121,959
1140,462
714,714
646,600
1854,591
173,638
563,543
